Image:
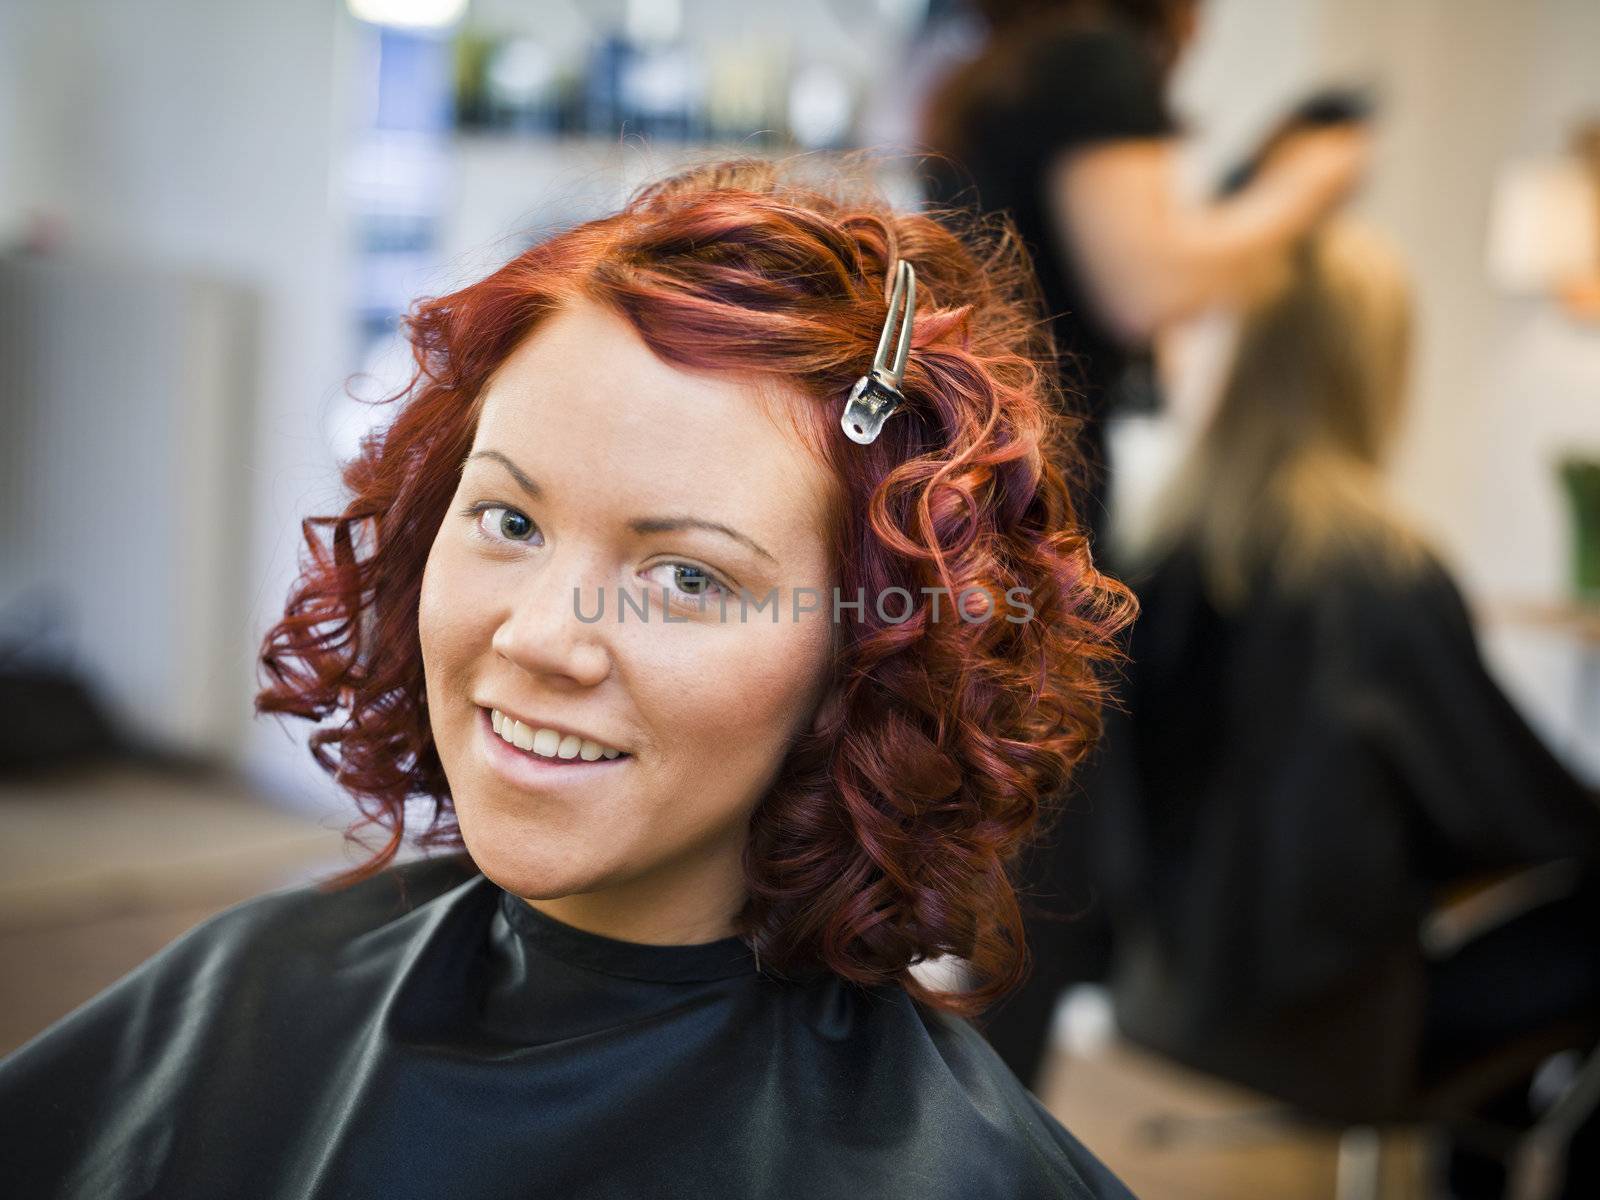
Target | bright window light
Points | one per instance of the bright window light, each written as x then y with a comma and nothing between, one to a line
408,14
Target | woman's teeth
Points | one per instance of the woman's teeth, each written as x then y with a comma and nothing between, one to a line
547,743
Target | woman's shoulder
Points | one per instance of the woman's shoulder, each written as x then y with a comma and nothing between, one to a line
1384,606
323,913
969,1121
274,947
1358,595
239,996
310,922
1033,1131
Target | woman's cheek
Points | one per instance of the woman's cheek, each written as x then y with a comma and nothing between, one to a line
428,625
451,625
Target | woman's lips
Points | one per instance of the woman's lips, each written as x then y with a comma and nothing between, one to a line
527,769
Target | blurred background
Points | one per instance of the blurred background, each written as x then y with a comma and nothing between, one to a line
213,213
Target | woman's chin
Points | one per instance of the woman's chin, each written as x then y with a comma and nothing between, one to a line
531,878
526,852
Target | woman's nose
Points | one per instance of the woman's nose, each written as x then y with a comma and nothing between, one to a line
550,627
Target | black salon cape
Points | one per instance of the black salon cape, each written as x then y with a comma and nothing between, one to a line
426,1034
1281,795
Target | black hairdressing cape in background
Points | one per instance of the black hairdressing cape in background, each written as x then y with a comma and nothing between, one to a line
427,1034
1282,795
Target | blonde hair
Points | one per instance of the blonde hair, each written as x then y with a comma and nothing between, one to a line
1286,477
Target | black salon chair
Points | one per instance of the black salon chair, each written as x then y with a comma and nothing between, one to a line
1447,1109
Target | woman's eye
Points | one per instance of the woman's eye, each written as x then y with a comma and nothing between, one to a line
694,583
505,524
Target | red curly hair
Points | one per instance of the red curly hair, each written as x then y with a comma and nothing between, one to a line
888,837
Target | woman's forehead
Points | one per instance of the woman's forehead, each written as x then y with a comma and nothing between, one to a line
586,403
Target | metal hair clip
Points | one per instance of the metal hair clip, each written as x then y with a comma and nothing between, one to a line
876,394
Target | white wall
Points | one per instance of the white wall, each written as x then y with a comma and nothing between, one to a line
1503,383
125,394
203,134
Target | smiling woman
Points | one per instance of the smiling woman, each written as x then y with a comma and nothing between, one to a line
603,469
705,840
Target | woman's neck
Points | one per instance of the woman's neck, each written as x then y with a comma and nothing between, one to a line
684,904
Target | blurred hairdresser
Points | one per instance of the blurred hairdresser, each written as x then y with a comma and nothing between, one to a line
1060,122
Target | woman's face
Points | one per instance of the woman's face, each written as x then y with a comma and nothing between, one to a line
603,480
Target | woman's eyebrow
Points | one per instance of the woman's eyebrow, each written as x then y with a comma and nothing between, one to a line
523,480
670,524
639,525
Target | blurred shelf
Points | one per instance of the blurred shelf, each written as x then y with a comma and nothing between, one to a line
507,190
1577,619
